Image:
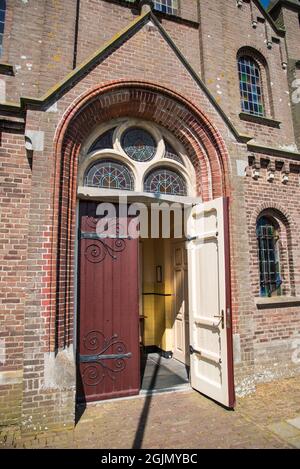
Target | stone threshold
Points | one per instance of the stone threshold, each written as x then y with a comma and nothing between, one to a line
144,393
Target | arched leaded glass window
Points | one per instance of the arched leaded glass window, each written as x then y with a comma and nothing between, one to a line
268,247
109,174
105,141
250,86
172,154
165,181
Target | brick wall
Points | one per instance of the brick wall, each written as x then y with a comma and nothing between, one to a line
44,53
39,263
15,185
22,48
291,20
275,327
96,27
222,37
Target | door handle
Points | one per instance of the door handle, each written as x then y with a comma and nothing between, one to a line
206,354
221,317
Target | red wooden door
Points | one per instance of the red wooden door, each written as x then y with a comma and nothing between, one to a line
108,358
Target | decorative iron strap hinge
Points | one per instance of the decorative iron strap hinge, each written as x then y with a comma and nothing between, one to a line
98,358
87,235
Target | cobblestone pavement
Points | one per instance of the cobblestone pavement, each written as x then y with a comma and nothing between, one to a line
270,418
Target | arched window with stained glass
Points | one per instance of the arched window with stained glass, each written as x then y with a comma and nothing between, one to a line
171,154
109,174
165,181
105,141
251,92
267,231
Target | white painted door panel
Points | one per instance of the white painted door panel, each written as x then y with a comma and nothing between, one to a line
209,302
181,311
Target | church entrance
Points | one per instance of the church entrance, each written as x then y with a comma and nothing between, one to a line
154,290
133,311
153,312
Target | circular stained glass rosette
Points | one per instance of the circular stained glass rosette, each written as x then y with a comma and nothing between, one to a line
165,181
138,144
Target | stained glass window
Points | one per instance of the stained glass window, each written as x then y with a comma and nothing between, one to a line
250,86
166,6
138,144
171,153
109,174
2,21
104,141
270,280
165,181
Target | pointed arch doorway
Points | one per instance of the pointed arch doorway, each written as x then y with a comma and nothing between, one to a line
206,152
143,163
110,275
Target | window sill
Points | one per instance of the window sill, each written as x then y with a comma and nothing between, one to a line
260,120
277,302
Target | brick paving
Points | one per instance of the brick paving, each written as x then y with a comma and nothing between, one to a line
270,418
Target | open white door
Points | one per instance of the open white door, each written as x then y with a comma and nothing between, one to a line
210,301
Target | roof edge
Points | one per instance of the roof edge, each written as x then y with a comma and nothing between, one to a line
287,3
280,31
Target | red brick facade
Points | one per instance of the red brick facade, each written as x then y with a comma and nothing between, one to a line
180,73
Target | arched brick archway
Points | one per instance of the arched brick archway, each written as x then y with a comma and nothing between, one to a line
202,142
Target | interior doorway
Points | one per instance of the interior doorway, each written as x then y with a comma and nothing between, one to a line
164,314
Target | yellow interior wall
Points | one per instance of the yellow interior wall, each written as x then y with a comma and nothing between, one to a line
169,289
158,309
